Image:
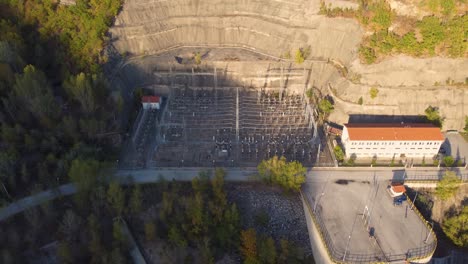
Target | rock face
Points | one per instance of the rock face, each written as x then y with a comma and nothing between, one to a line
269,29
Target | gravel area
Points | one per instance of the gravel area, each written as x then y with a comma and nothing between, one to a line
286,219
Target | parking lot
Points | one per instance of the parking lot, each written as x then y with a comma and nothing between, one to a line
456,146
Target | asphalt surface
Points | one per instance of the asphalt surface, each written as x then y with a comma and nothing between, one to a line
456,146
350,203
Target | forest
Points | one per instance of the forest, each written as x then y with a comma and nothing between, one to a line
55,106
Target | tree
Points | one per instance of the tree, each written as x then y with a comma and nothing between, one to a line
448,186
35,94
205,252
456,228
449,161
84,174
176,237
86,89
150,231
95,245
325,106
227,232
116,198
195,215
119,239
373,92
136,200
64,253
284,251
338,153
433,116
360,100
289,175
70,225
219,202
267,251
249,246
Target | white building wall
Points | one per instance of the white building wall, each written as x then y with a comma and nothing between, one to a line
150,106
389,148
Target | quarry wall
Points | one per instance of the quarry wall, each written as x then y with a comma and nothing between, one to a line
148,30
273,27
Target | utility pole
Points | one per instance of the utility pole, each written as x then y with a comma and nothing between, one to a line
237,114
318,153
414,200
216,87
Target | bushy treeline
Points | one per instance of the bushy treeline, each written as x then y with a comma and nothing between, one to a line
63,38
432,35
200,218
262,249
456,228
55,105
437,37
85,229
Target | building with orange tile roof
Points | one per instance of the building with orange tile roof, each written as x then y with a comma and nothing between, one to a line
391,140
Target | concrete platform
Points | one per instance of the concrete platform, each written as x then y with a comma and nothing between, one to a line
349,208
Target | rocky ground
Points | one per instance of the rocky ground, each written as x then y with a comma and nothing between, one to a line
272,212
269,210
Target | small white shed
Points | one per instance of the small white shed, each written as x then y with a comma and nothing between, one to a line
151,102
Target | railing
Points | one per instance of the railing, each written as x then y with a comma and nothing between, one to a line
431,176
340,256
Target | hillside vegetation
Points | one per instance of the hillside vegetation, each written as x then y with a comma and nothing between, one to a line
444,33
54,101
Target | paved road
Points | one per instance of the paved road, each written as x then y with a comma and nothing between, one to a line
456,146
35,200
186,174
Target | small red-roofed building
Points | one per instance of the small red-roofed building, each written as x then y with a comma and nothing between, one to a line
391,140
397,190
151,102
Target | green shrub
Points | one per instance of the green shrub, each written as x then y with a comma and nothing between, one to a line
197,58
448,186
338,153
433,116
368,54
325,106
360,101
289,175
448,7
432,32
373,92
449,161
382,14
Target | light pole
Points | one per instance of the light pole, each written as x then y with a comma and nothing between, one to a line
317,200
430,230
